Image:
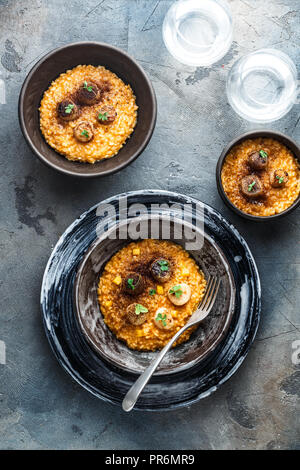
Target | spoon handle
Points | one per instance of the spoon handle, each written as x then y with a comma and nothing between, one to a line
136,389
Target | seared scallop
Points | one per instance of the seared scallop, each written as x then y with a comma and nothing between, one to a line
258,160
67,110
163,319
279,178
136,314
106,115
133,283
161,270
252,187
89,93
180,294
84,131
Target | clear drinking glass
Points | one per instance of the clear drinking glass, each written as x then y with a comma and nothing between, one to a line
198,32
262,86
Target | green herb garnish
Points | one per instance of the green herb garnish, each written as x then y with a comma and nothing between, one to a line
162,318
251,185
68,109
280,179
263,154
130,283
152,292
140,309
177,291
164,265
85,133
103,117
88,88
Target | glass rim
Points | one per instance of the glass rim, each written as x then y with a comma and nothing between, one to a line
221,3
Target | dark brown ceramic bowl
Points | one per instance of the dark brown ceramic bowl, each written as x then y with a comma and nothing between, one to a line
284,139
208,335
58,61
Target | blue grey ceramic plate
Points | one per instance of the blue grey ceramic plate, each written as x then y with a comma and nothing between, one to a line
218,347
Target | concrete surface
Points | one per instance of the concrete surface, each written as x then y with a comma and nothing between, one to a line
40,406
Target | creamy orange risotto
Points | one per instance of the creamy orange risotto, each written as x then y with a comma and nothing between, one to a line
261,177
88,113
148,291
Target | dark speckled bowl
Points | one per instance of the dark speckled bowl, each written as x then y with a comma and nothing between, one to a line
58,61
285,140
99,375
212,330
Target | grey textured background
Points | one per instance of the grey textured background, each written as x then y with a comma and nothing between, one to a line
40,406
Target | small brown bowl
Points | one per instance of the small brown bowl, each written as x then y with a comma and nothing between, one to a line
58,61
284,139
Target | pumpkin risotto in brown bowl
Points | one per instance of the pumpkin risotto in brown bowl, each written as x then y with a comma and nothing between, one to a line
258,175
87,109
131,297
